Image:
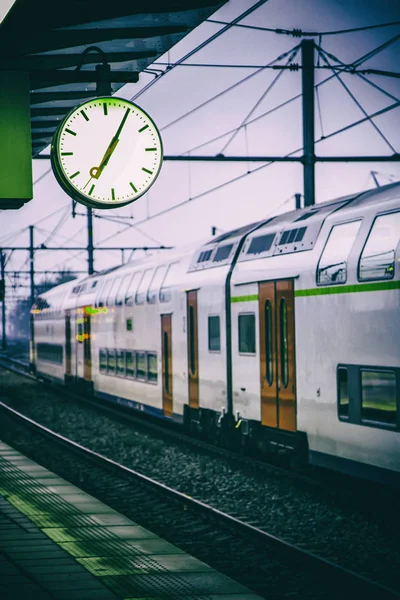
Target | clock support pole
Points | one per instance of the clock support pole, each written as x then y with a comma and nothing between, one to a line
90,247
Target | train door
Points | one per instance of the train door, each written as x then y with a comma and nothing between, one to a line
87,352
277,357
193,349
166,358
68,348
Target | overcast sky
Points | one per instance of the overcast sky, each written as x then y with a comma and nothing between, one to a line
253,195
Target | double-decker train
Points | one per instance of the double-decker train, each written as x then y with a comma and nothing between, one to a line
282,335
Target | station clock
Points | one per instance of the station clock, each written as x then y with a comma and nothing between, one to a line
106,153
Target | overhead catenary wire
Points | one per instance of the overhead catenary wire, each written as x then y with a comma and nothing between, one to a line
301,33
228,89
202,45
374,125
263,95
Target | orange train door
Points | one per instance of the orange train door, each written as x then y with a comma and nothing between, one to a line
277,357
166,356
68,365
193,349
87,353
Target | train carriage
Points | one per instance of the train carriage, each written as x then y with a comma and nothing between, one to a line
281,335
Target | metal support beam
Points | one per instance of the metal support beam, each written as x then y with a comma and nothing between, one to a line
90,241
31,264
3,304
300,159
63,61
307,78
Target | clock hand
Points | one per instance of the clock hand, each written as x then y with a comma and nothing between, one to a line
96,171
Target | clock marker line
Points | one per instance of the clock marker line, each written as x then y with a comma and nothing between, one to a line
67,153
70,131
84,115
112,193
147,171
91,189
133,187
75,174
105,108
143,128
151,149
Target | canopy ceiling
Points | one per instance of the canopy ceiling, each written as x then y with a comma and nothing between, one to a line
50,40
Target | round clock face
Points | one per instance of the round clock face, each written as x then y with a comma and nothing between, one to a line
106,153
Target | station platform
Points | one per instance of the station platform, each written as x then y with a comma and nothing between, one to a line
59,543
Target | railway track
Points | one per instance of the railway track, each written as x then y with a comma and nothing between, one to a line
299,573
242,515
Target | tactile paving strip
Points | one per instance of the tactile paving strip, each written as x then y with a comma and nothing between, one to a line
111,547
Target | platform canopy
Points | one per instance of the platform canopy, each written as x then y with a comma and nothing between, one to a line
48,39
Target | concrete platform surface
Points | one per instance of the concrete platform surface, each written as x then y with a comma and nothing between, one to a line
59,543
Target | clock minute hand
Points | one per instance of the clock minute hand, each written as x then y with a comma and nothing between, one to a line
95,172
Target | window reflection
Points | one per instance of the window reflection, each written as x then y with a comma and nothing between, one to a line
377,258
332,266
378,402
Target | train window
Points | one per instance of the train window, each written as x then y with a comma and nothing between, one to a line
378,396
166,361
222,253
111,361
103,360
104,292
156,284
204,256
377,258
120,296
343,392
141,365
268,341
214,334
130,294
261,243
113,291
170,278
247,333
50,353
284,342
120,363
130,363
143,286
332,266
192,352
152,367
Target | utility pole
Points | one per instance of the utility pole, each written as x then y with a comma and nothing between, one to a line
3,297
90,241
307,74
31,264
297,198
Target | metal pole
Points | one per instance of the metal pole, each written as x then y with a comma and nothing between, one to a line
90,241
3,304
31,264
307,54
297,198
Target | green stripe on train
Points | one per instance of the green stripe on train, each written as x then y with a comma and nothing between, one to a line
350,289
244,298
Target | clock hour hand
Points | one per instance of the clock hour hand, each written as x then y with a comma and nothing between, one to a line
95,172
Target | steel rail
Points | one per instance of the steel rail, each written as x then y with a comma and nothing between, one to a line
310,560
